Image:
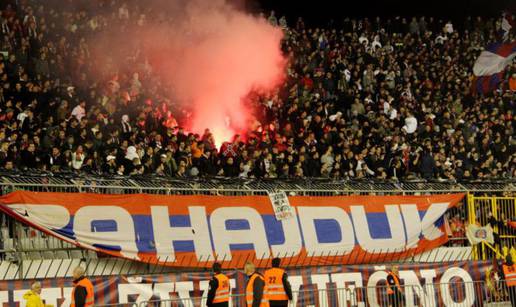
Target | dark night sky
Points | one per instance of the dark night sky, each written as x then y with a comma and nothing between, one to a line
319,12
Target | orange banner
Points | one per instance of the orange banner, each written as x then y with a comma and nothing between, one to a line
194,231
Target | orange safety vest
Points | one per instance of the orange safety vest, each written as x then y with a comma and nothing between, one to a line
222,292
86,283
396,282
512,84
274,285
249,291
510,275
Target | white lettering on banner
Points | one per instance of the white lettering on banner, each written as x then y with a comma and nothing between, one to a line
469,293
67,294
393,244
373,281
413,286
404,221
183,289
352,280
293,243
163,290
18,297
321,280
223,238
415,226
144,292
232,283
307,217
4,297
123,236
449,274
164,234
204,286
295,284
349,281
51,295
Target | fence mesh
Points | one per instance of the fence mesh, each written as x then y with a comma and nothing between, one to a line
495,211
30,253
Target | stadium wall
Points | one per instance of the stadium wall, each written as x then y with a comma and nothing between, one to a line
438,284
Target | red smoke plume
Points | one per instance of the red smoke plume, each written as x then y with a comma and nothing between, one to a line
209,55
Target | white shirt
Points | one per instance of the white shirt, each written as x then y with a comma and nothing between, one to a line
362,165
347,75
21,117
79,112
77,160
393,114
410,124
386,107
327,159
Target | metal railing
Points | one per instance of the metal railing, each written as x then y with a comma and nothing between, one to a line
474,293
27,254
495,210
20,267
236,186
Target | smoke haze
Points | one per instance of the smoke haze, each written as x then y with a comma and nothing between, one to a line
207,54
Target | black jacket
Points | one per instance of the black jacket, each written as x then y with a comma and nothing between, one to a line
80,293
286,287
214,284
258,288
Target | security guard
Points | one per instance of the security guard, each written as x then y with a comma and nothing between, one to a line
255,294
278,288
218,295
509,272
82,293
394,291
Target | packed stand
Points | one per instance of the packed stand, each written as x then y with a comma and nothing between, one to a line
373,98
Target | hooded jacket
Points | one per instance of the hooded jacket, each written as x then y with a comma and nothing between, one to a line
34,300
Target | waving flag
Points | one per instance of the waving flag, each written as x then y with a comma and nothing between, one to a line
490,66
477,234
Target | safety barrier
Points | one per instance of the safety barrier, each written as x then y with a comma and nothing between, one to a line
474,293
29,254
483,210
74,183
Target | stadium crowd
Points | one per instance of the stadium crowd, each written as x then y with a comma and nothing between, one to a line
373,98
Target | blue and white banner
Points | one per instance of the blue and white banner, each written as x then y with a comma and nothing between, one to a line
195,231
490,66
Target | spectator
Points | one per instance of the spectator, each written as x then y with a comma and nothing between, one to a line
410,123
80,110
28,156
428,164
33,298
78,158
390,102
